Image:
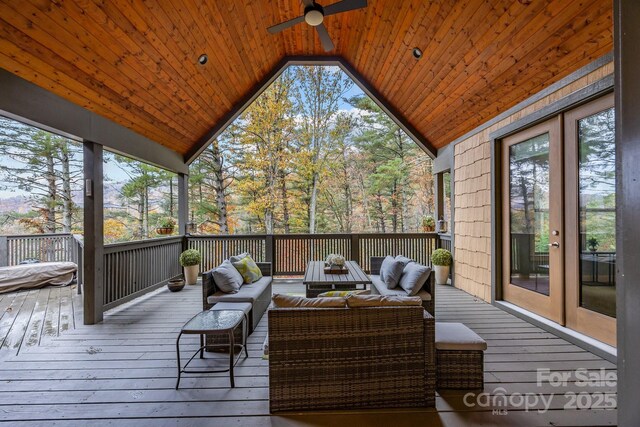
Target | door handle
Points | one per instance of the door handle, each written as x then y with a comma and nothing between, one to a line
554,244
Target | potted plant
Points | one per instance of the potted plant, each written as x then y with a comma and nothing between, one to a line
441,260
335,260
428,224
592,244
190,260
335,264
165,225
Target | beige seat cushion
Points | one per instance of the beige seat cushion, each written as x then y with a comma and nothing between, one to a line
378,287
456,336
354,301
247,293
289,301
243,306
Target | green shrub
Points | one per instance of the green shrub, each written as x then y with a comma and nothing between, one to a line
189,257
441,257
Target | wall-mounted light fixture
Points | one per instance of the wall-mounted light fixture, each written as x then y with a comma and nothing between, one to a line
202,59
417,53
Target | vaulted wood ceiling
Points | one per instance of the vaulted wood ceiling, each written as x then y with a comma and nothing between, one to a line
135,62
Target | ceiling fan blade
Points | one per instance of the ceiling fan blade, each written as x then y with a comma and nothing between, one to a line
344,6
327,44
307,3
286,24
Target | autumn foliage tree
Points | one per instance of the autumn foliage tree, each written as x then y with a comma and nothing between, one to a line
302,158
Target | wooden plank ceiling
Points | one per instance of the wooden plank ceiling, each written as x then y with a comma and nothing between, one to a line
135,62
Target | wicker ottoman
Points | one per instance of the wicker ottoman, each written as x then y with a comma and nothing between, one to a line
459,357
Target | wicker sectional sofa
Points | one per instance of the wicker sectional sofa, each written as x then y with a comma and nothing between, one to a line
350,358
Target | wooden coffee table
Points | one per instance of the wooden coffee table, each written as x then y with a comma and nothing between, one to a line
317,282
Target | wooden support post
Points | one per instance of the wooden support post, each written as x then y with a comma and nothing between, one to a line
270,252
183,203
4,251
627,95
355,250
439,195
93,233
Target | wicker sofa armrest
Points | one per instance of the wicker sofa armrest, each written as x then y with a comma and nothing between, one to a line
208,288
376,262
430,358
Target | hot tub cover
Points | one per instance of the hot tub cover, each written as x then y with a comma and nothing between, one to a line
36,275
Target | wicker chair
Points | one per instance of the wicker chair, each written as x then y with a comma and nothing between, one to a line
429,305
351,358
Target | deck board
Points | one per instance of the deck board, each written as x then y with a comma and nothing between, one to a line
30,317
122,371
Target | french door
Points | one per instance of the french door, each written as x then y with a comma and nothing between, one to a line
532,220
558,192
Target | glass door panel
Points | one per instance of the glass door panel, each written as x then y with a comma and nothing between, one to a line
597,212
590,218
529,213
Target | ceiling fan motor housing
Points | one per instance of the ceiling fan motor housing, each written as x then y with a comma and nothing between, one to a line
314,15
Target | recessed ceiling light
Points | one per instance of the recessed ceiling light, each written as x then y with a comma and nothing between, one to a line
202,59
417,53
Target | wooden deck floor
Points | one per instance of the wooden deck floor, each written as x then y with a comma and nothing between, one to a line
31,317
122,372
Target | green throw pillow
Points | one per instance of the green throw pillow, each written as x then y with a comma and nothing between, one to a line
341,293
248,269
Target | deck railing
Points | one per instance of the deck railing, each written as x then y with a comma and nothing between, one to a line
42,247
215,249
134,268
58,247
290,253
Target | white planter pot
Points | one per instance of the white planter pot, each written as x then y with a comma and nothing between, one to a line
191,274
442,274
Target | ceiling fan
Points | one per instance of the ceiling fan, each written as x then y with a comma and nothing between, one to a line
314,15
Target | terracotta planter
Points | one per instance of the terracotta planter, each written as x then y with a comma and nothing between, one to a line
442,274
191,274
164,230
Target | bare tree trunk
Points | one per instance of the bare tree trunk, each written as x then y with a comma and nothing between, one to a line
285,203
268,221
141,216
145,224
348,208
218,187
405,210
380,214
394,207
50,226
171,197
313,203
67,200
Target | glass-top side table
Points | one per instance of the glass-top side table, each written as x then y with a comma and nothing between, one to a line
211,322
